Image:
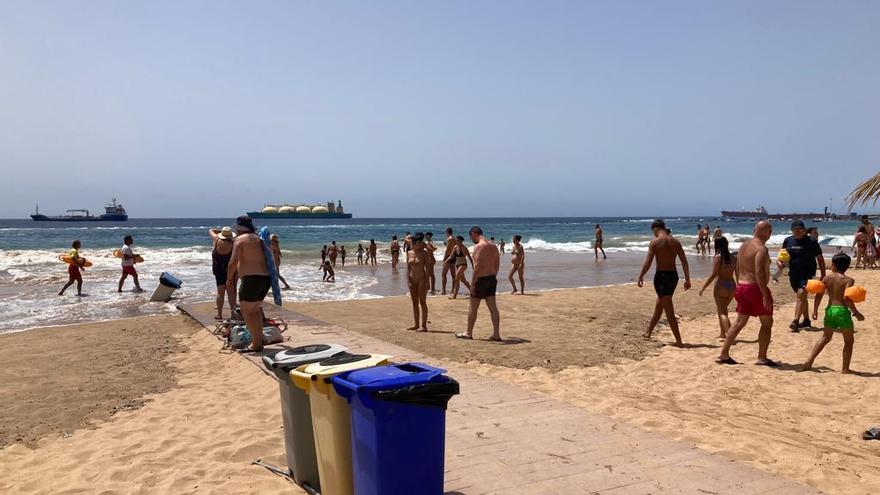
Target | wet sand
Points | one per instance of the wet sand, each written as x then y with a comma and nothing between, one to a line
550,329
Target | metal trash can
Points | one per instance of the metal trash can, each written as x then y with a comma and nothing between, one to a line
331,417
168,283
398,427
296,414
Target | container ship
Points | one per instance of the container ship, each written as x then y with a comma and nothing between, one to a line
330,210
761,213
113,212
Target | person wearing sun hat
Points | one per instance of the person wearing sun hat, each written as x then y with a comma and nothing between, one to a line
220,256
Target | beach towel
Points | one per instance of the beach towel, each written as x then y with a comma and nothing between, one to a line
270,264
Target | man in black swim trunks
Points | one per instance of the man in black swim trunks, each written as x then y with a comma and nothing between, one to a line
665,249
487,262
249,264
806,255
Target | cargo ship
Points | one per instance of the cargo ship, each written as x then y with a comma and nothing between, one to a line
113,212
761,213
295,210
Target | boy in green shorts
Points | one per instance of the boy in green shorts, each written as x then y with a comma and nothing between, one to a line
839,313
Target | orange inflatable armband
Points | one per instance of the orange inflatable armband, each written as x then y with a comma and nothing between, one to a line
815,287
856,293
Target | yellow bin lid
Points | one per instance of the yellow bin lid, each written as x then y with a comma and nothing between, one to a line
315,376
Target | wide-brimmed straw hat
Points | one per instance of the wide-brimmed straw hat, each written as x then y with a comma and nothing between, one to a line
226,233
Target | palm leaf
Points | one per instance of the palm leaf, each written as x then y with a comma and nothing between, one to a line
869,190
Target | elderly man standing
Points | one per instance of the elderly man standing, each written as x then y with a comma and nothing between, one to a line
248,262
487,262
753,297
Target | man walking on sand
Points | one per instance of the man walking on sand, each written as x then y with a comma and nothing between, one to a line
753,297
248,263
487,262
665,249
805,255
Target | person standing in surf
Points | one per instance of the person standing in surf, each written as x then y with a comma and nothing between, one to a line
332,253
248,263
665,249
276,255
395,252
517,265
221,254
73,270
371,260
128,265
448,267
598,244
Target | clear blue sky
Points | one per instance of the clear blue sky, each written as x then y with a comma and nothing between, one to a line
446,108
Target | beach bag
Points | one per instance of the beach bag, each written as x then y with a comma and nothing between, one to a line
240,337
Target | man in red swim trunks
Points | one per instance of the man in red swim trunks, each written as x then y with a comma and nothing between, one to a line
753,297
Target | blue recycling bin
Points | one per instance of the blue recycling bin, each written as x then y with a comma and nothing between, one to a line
398,427
169,280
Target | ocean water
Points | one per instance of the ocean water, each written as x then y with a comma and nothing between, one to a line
31,275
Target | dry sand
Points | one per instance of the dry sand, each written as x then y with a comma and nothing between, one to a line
803,426
198,437
57,380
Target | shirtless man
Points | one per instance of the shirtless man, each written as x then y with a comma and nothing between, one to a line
753,297
487,262
699,246
517,265
248,263
447,267
332,253
707,244
431,248
395,252
407,242
597,246
417,271
665,249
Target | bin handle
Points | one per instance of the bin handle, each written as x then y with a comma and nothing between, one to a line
428,375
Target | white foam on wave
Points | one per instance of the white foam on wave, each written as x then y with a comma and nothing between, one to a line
537,244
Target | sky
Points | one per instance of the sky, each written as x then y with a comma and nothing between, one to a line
453,108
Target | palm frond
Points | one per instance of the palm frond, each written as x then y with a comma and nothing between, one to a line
869,190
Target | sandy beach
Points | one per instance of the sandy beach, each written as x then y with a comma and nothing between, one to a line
191,419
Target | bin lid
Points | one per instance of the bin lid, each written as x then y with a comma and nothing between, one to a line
394,376
290,358
318,372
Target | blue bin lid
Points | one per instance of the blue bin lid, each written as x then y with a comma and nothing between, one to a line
393,376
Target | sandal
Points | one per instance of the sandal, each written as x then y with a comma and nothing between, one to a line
463,335
871,434
725,361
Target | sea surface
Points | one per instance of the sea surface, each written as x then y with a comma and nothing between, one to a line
559,255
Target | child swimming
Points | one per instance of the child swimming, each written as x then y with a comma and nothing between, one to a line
839,313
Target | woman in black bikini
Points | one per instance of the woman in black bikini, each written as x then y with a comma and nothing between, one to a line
220,256
459,258
724,269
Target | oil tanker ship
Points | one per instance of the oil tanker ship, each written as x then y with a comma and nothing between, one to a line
113,212
298,211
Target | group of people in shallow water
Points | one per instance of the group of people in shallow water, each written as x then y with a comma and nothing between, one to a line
745,277
77,264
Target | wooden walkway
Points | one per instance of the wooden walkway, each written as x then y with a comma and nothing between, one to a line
503,439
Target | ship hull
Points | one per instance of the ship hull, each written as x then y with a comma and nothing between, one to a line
102,218
297,216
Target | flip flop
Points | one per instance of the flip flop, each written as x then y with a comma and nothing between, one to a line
768,362
871,434
463,335
725,361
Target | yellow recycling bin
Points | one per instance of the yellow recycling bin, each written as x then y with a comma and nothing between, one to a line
331,417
